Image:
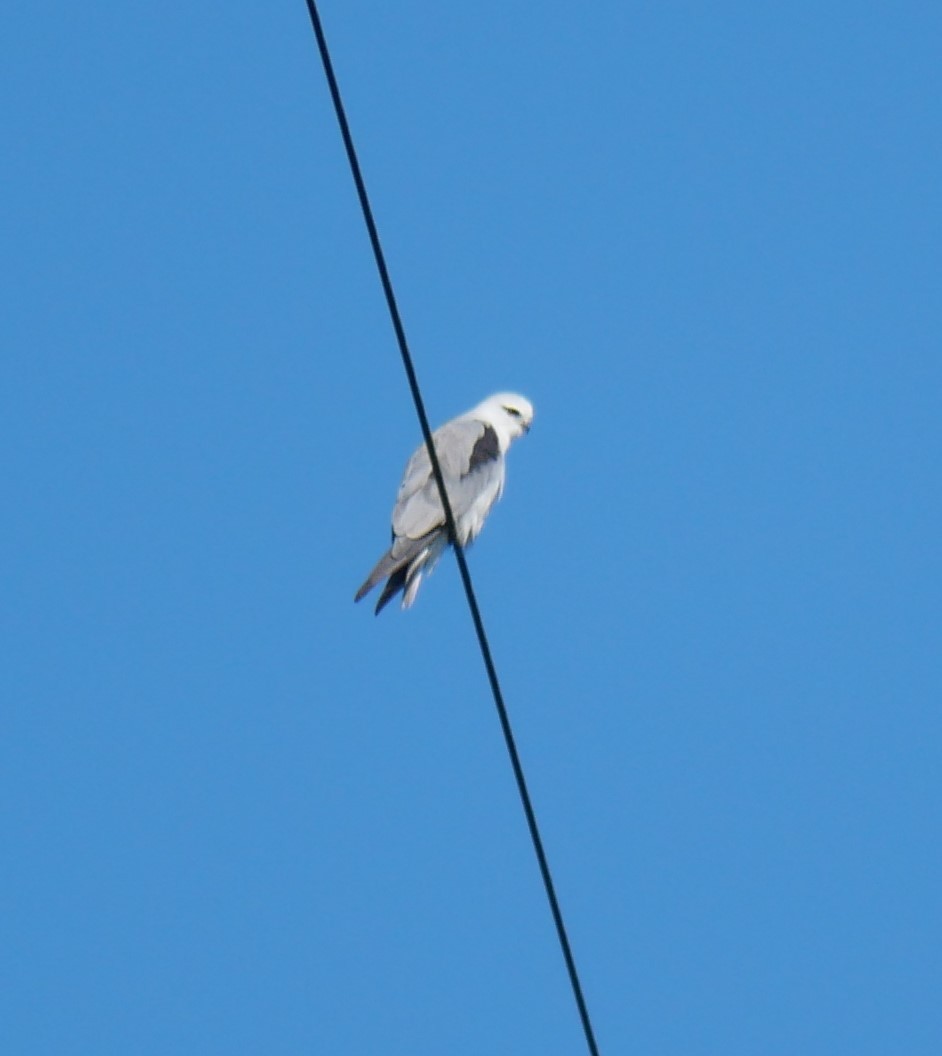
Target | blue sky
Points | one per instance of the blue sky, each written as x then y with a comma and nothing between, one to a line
242,815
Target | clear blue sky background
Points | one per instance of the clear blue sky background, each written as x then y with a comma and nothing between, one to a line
241,815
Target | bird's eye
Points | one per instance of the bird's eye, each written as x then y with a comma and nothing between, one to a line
513,411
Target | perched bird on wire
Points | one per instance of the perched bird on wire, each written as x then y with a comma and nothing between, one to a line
471,450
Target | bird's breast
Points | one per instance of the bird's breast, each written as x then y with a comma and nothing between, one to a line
472,520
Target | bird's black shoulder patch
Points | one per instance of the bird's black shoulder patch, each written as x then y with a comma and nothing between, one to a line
487,449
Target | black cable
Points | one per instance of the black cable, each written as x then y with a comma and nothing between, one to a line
452,532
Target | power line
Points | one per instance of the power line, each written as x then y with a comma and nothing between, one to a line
450,522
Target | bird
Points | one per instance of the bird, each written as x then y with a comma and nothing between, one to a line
471,450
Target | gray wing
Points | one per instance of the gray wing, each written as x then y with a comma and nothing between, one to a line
469,454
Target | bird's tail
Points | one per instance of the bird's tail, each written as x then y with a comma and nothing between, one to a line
396,582
394,566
